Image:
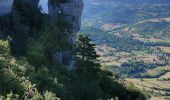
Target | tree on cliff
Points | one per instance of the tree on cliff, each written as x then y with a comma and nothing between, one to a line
85,52
17,75
92,83
88,72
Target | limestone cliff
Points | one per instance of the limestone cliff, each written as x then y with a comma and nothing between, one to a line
6,5
72,10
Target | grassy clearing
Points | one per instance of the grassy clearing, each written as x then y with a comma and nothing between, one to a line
167,75
156,72
155,87
155,20
139,52
150,39
165,49
114,63
156,98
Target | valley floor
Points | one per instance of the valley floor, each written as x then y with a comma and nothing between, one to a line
156,98
158,88
134,45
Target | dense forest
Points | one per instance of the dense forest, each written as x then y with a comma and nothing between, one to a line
28,71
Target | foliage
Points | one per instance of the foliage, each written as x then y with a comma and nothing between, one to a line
159,29
100,83
33,74
16,76
23,22
87,81
126,43
87,70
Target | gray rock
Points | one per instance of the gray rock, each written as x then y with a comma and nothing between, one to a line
72,11
30,2
6,5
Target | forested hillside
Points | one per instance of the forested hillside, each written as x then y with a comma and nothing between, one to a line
29,70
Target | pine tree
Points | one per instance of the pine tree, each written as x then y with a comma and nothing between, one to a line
88,72
86,54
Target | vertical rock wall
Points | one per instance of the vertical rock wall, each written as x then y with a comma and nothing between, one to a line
6,5
72,10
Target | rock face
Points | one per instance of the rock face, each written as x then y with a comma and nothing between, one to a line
30,2
72,10
5,6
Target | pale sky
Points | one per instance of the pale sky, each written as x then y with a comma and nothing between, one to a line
44,5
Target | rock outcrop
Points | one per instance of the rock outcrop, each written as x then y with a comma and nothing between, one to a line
6,6
72,10
30,2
